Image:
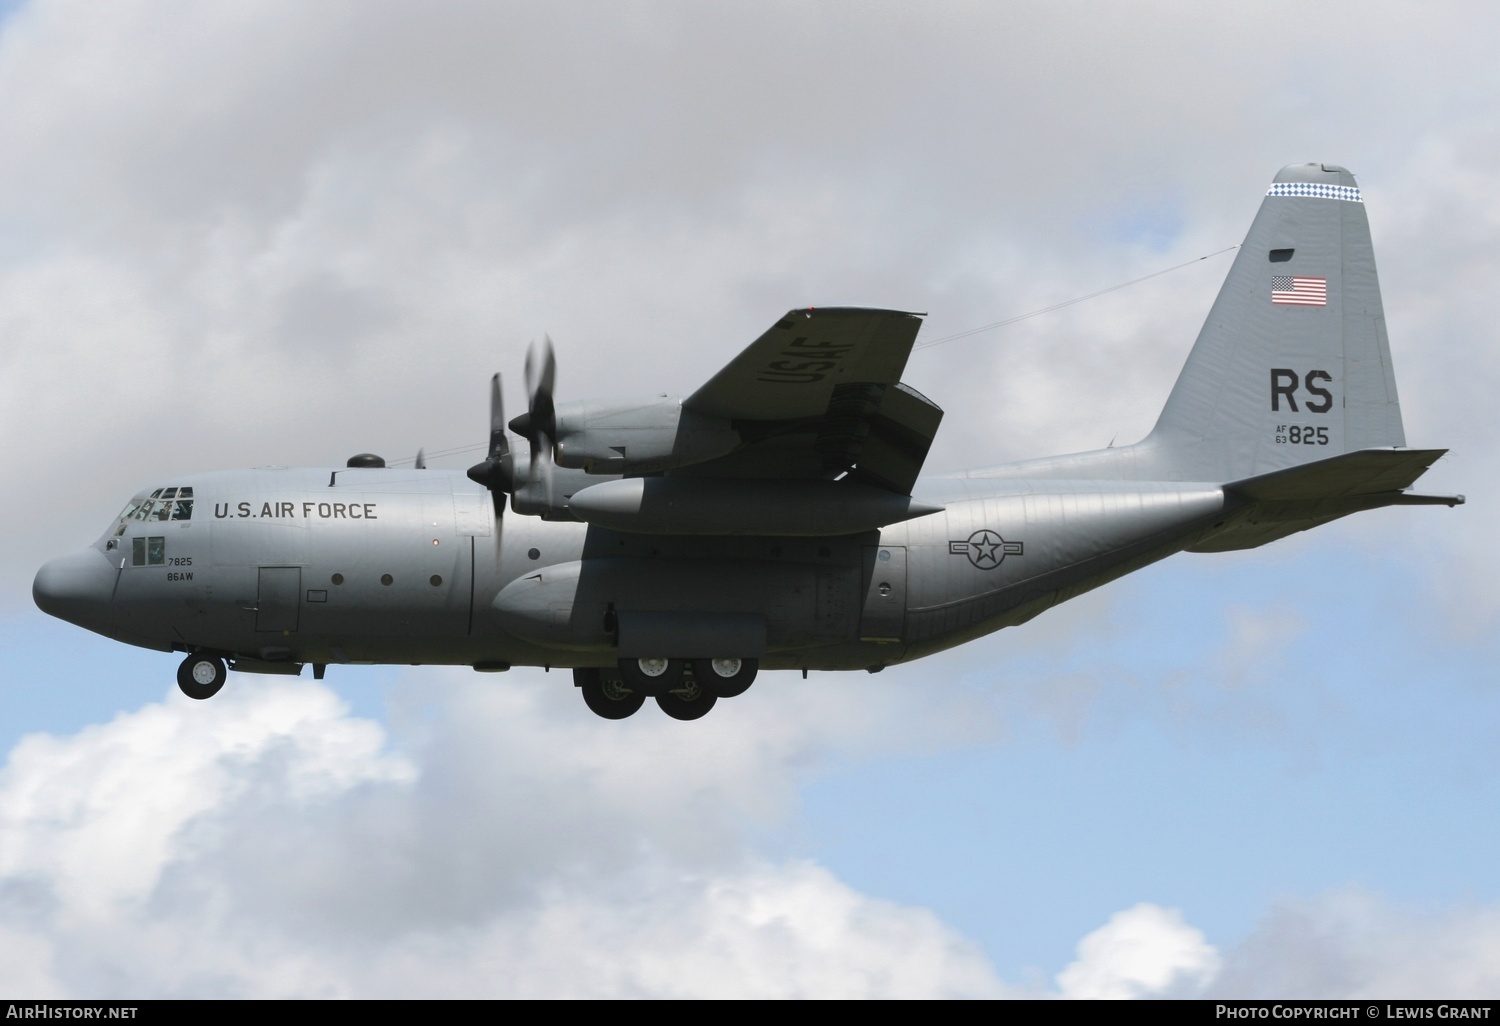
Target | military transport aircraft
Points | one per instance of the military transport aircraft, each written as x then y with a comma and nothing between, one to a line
671,547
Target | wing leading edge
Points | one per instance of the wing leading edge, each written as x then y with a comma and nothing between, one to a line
792,369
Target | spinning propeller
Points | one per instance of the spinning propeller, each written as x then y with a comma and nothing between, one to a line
538,425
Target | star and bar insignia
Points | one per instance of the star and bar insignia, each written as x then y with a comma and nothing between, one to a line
985,549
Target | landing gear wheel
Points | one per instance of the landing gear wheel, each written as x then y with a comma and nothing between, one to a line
688,701
651,676
201,676
725,678
607,698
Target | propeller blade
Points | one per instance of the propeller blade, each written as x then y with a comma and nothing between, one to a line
542,405
539,423
499,444
497,472
549,368
531,372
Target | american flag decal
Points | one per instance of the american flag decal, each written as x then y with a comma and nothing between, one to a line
1287,290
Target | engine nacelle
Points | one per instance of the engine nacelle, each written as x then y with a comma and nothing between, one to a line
549,493
642,437
793,508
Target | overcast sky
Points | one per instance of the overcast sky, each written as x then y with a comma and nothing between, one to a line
237,235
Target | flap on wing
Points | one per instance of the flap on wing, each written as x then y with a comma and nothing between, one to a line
1362,472
790,372
877,434
900,435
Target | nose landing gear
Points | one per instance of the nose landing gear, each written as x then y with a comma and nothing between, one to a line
201,676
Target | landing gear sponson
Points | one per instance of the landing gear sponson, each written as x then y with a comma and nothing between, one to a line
685,689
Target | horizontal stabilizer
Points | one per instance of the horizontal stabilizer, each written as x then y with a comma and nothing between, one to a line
1363,472
1299,498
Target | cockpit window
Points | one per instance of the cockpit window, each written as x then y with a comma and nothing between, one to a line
164,504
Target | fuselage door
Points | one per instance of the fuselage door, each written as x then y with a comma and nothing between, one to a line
279,599
884,615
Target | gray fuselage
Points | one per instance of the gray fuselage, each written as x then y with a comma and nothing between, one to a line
279,567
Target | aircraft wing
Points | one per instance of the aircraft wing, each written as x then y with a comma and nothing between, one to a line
819,395
792,370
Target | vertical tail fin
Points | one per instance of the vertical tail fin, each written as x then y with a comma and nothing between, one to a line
1293,364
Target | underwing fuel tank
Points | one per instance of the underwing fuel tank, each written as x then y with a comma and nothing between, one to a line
805,508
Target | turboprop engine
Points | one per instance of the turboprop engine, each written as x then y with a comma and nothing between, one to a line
805,509
642,437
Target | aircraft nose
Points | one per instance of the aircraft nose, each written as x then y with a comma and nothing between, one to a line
77,588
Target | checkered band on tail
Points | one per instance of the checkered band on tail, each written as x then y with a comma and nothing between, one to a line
1315,190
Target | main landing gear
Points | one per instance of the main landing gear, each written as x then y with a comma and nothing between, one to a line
684,689
606,697
201,676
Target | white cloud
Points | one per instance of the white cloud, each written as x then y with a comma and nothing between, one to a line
1344,945
1144,951
1348,944
269,844
1353,944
